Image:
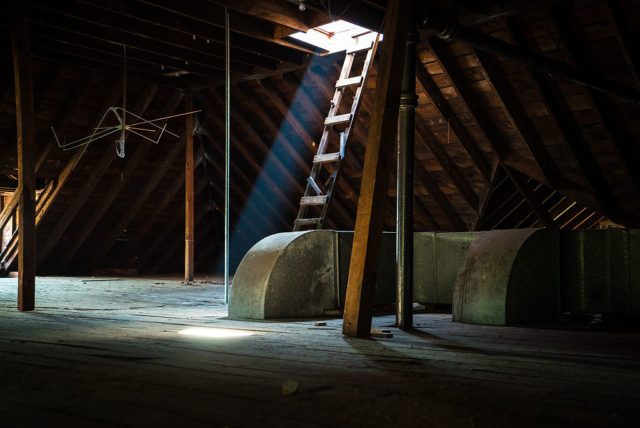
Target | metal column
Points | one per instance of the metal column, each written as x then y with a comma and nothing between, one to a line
404,207
227,151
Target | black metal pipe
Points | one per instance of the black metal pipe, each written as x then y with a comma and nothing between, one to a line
447,29
404,206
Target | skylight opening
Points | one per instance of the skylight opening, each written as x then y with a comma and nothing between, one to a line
337,36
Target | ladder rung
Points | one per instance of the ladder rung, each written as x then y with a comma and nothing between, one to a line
338,120
313,200
357,80
327,157
307,221
358,48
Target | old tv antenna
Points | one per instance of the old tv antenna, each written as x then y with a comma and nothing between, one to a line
114,121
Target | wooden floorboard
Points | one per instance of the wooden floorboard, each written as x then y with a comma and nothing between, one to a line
107,352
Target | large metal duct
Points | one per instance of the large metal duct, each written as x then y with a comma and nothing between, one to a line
303,274
509,276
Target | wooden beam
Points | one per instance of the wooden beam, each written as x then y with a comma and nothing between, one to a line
520,117
241,183
625,38
378,162
531,198
112,71
616,136
214,16
208,33
559,110
447,113
270,142
425,179
426,137
249,155
494,135
543,86
25,126
281,13
189,256
491,132
138,34
96,48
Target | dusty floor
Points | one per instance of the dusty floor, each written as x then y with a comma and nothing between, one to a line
100,352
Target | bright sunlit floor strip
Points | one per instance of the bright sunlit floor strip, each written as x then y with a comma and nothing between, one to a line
215,333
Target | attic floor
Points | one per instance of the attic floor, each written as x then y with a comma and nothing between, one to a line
100,352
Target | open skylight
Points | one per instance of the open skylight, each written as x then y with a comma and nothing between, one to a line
336,36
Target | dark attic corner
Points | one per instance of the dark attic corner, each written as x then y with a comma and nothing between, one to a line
320,213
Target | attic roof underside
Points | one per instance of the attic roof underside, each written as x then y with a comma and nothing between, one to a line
496,142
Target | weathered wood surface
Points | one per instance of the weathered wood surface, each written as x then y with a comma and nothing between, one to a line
104,351
189,199
375,175
25,129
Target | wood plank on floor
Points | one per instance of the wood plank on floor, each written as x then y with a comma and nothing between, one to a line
109,352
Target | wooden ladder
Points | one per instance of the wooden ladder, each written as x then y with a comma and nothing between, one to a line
341,125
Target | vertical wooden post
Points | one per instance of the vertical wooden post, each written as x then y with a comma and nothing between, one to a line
378,162
26,158
189,223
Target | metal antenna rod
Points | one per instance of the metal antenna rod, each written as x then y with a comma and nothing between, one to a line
227,151
124,92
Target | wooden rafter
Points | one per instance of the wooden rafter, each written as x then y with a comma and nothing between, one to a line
520,118
557,106
466,140
139,34
271,140
214,15
427,139
530,196
618,139
493,134
60,124
241,183
625,38
241,151
208,33
282,13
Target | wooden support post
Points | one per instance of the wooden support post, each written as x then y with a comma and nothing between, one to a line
26,158
376,172
189,202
